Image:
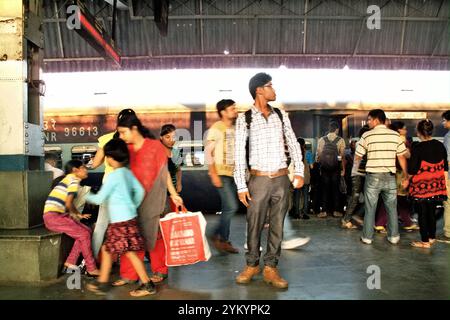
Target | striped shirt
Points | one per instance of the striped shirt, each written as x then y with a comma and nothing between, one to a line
56,201
382,146
266,146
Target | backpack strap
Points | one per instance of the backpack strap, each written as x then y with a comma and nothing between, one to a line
278,112
248,118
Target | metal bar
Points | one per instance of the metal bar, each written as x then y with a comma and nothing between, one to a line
305,26
296,55
283,6
202,48
58,31
363,22
114,18
293,17
255,35
405,12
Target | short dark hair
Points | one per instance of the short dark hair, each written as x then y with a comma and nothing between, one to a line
223,104
68,168
363,130
167,128
378,114
446,115
258,80
301,141
118,150
425,127
333,126
397,125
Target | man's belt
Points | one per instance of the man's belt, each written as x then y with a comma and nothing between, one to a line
270,174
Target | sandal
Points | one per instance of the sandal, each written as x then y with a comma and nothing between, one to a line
121,282
99,288
420,244
159,277
348,225
144,289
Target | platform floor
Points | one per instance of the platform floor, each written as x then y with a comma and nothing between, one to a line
332,266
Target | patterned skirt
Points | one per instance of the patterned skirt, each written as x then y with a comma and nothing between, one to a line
123,236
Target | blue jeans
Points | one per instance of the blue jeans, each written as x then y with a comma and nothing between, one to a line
380,184
230,205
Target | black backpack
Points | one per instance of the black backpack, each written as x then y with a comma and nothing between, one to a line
248,121
328,159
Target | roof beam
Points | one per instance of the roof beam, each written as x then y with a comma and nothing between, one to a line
296,55
363,25
305,22
402,39
58,31
202,46
293,17
255,35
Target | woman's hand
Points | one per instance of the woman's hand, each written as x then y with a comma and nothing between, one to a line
177,200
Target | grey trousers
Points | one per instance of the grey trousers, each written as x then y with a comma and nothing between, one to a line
269,195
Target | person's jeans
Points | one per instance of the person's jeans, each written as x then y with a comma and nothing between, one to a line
380,184
357,188
230,205
268,196
330,191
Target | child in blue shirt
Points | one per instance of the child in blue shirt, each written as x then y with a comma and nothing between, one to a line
122,194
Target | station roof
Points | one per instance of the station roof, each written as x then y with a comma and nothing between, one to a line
413,34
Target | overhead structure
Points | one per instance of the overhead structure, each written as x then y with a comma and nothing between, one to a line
380,34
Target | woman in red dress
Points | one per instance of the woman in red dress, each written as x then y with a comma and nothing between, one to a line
148,162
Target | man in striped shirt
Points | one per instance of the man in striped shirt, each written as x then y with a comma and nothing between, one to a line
268,188
382,147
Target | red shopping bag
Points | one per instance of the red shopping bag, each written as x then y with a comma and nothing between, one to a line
184,238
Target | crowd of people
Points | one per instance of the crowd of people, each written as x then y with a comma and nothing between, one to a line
256,159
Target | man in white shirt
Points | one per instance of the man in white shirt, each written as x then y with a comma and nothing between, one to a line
266,131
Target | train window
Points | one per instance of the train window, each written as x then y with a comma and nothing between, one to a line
84,153
58,152
192,153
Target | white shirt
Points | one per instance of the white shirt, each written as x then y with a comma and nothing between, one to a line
266,146
56,171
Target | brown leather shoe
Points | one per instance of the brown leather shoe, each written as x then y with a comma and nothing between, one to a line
271,276
247,275
228,247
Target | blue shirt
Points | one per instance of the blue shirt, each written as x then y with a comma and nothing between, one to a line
122,193
309,157
447,147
